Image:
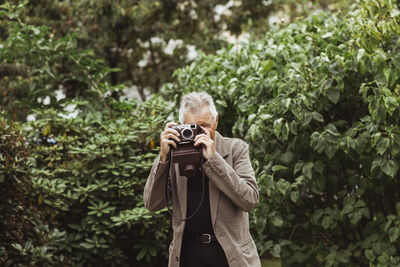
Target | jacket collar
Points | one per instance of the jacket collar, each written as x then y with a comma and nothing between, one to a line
220,145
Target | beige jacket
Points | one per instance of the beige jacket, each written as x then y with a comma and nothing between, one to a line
233,193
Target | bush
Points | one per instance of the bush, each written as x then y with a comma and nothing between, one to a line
76,199
36,67
89,173
25,237
318,101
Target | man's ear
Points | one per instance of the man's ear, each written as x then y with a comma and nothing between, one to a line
216,122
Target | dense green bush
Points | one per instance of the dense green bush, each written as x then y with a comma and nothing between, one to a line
25,239
76,199
318,101
89,172
124,32
35,64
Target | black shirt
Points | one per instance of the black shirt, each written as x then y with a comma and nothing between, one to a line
201,221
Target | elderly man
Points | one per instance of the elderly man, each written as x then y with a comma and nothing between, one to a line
217,233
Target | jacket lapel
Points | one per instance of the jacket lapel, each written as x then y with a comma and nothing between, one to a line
220,145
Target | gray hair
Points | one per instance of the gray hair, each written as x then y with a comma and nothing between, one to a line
194,101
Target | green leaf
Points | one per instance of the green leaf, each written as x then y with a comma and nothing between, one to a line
330,150
253,131
390,104
326,221
277,221
17,246
394,233
141,253
294,196
277,168
307,169
369,253
298,167
331,129
86,245
319,166
389,167
355,217
359,204
386,73
286,157
267,65
383,145
360,54
347,209
317,116
333,95
276,251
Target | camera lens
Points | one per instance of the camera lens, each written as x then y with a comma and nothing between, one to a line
187,133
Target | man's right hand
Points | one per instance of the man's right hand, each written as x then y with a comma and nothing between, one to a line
167,138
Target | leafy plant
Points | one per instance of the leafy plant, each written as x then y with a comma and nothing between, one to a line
26,237
38,67
318,101
89,174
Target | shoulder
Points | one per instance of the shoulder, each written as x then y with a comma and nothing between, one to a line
232,141
235,146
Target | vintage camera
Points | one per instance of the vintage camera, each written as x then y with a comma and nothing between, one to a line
187,132
186,154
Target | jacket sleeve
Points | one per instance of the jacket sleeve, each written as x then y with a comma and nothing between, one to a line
238,181
154,190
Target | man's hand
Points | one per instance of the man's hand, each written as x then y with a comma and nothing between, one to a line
167,138
208,144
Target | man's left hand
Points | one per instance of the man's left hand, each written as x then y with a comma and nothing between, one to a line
208,144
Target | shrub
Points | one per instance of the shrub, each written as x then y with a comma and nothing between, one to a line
318,101
79,199
25,237
89,173
36,67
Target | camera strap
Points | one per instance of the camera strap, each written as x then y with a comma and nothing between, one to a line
168,184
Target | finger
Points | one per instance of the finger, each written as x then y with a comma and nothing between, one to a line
202,141
169,142
169,124
171,136
205,131
168,133
169,130
199,136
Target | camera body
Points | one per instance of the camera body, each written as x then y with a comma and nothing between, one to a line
186,154
187,132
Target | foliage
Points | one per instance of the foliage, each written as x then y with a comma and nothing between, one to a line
35,65
318,101
89,174
25,239
319,97
80,196
138,36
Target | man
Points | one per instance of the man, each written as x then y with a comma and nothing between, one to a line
218,233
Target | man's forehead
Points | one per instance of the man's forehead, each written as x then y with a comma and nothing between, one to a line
199,115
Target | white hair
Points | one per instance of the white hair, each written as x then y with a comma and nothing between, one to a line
194,102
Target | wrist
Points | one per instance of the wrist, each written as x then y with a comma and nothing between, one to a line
163,158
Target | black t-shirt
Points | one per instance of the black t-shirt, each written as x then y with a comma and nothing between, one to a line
201,221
